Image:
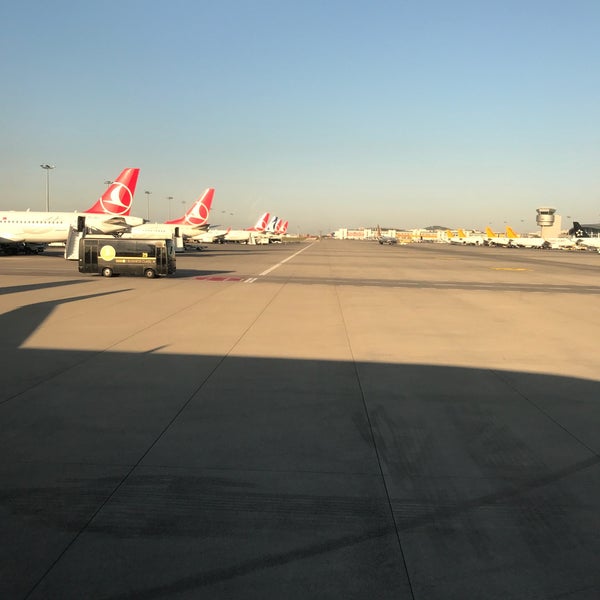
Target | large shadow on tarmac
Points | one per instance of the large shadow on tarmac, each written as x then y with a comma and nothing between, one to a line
14,289
150,475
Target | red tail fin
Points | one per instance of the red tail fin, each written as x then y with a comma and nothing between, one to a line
261,223
118,197
198,212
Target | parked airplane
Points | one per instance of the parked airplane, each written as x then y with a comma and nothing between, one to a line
465,240
272,224
526,242
192,222
585,229
494,239
245,235
561,243
282,228
110,214
583,237
385,239
211,236
280,231
472,239
273,233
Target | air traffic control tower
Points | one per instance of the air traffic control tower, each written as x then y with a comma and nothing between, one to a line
549,222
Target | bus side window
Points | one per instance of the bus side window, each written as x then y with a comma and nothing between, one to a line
146,250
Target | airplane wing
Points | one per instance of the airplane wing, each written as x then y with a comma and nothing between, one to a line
203,227
109,225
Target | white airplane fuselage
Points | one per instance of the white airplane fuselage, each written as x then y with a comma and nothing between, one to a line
468,240
561,243
238,235
532,242
210,236
589,243
162,230
500,241
47,227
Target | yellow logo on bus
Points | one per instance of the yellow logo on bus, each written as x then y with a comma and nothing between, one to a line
107,252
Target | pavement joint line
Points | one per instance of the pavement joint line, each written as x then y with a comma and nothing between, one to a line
124,479
285,260
497,373
131,470
376,450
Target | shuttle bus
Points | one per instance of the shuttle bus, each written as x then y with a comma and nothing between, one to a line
117,256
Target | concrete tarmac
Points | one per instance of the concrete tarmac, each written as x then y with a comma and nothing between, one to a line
321,420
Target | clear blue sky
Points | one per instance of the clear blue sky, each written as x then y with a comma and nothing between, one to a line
329,113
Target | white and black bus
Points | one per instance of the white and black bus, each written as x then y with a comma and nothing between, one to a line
117,256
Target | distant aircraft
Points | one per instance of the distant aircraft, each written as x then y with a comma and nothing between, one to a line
561,243
585,229
385,239
272,224
526,242
211,236
282,228
245,235
233,235
275,230
498,240
465,240
189,225
110,214
583,238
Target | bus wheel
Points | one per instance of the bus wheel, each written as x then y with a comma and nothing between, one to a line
150,274
107,272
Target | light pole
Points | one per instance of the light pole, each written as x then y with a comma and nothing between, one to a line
169,198
108,182
48,168
148,201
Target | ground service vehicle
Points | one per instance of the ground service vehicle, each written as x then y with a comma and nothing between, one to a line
117,256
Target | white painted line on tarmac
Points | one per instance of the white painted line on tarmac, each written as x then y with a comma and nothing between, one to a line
250,280
284,260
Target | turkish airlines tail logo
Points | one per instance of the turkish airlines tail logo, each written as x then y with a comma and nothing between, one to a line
199,211
261,223
118,197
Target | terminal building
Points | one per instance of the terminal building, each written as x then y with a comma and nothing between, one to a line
408,236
